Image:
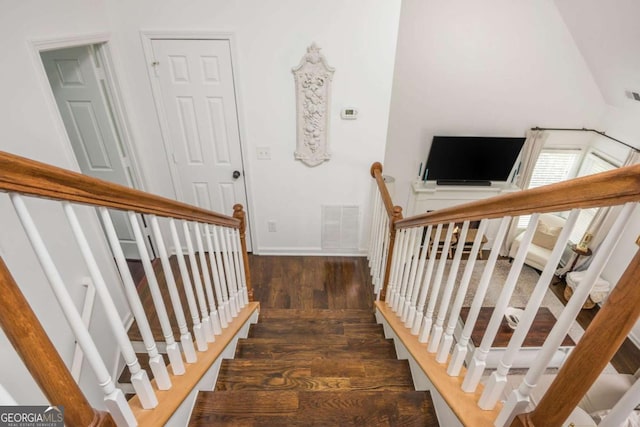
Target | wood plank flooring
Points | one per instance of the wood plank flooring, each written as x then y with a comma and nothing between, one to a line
316,357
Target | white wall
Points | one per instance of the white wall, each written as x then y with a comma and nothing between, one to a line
491,68
357,37
30,128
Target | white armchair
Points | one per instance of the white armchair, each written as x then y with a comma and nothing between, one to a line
547,231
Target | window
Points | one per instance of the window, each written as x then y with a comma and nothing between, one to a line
592,164
552,166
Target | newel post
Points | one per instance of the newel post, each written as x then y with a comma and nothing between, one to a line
239,213
397,216
595,349
32,344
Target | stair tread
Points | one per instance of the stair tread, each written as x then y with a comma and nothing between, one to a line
346,315
257,408
249,349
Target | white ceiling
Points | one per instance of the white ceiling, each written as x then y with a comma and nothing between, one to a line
608,36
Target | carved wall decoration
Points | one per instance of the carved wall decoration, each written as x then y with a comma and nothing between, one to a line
313,100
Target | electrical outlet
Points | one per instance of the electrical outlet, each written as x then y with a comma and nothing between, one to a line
271,226
263,153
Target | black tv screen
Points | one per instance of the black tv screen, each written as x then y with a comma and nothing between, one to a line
471,158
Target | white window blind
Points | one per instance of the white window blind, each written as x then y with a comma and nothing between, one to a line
552,166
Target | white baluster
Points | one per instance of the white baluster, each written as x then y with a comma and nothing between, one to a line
185,336
236,264
221,272
375,239
518,400
113,397
412,275
436,332
5,397
478,363
460,350
216,277
383,263
406,271
447,338
198,332
373,231
139,377
623,408
207,329
243,274
427,321
411,315
498,380
426,281
204,266
156,362
231,280
172,348
395,266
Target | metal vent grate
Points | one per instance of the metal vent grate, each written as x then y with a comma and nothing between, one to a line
340,226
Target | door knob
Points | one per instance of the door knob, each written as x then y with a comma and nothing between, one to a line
236,174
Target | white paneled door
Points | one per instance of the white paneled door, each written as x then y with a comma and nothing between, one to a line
195,83
79,86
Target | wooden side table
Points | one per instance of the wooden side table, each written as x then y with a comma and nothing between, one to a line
578,253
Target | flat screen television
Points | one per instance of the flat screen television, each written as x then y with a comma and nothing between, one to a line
471,160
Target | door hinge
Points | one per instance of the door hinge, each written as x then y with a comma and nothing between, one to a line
156,66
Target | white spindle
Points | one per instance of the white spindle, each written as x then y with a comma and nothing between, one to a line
221,272
172,348
185,336
204,266
426,281
436,332
460,350
495,385
373,231
447,338
395,266
139,377
518,399
198,332
231,280
5,397
243,295
406,271
216,276
415,250
386,236
113,397
623,408
156,362
207,329
427,321
415,287
375,238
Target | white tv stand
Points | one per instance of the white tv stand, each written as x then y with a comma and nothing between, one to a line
427,196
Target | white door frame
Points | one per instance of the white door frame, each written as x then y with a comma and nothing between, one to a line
147,36
116,100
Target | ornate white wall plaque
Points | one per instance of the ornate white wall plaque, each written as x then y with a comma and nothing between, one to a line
313,100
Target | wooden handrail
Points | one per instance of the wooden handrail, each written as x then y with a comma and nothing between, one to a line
240,214
32,344
21,175
376,173
604,189
595,349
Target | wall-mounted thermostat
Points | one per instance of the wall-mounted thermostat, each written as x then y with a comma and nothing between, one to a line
349,113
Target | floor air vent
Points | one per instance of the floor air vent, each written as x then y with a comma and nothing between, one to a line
340,227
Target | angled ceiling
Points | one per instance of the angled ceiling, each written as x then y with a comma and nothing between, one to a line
608,36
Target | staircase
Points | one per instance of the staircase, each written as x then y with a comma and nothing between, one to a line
314,367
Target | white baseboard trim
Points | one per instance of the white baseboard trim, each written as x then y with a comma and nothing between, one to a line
634,339
309,251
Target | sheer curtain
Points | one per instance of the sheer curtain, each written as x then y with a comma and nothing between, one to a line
530,152
599,225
